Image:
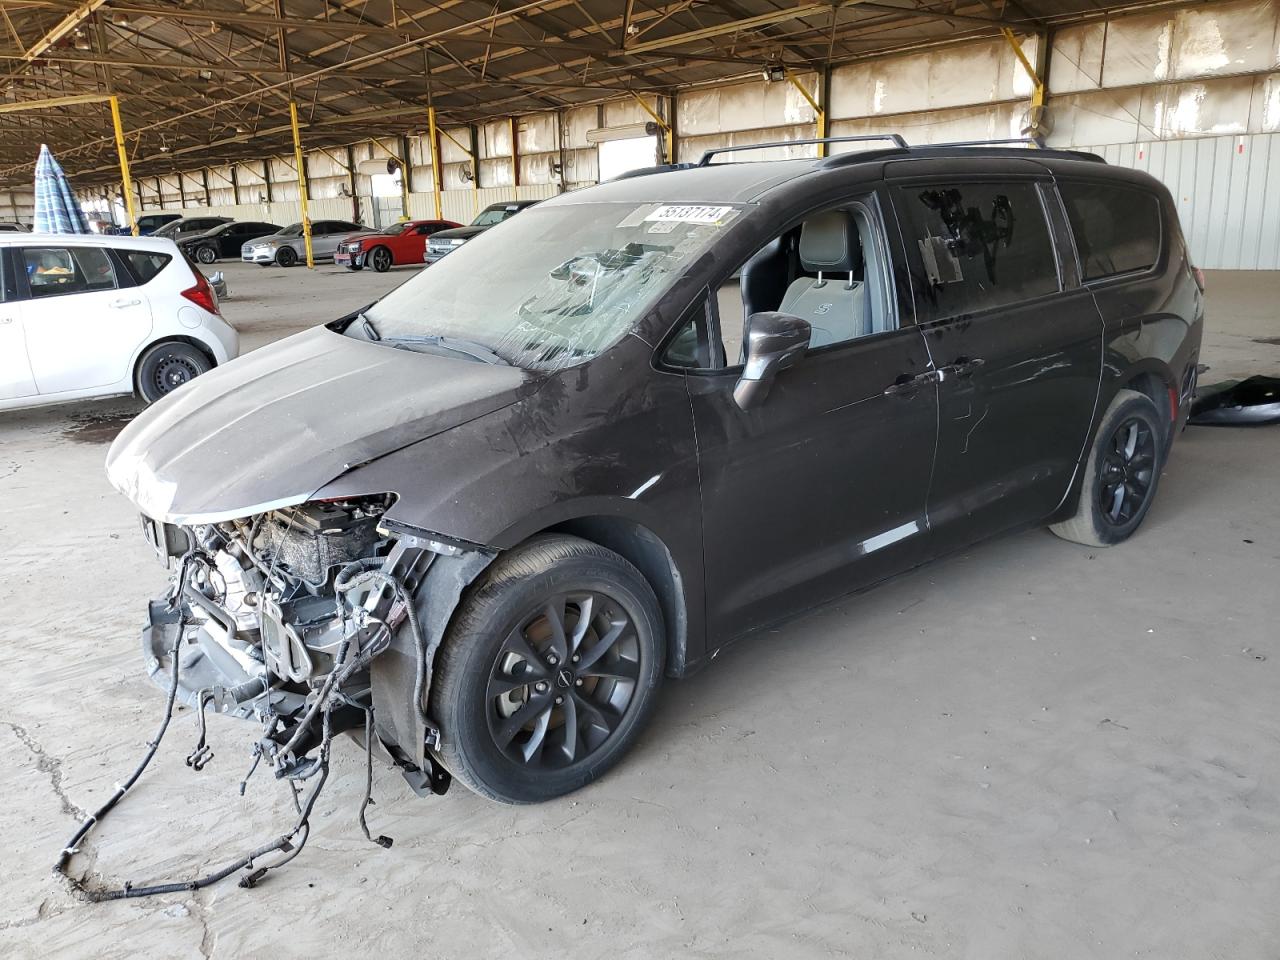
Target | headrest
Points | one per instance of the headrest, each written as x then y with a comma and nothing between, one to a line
829,242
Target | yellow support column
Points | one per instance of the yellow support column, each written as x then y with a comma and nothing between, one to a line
819,115
436,176
302,184
124,165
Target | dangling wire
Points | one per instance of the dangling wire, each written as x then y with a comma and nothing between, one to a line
381,840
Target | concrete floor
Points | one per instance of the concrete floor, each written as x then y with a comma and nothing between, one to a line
1030,750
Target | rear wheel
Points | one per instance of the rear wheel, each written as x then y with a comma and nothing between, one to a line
1122,473
166,366
206,254
548,672
287,257
380,259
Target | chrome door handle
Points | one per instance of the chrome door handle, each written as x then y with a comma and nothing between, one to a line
6,320
125,303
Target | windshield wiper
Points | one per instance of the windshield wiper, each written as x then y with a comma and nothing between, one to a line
468,348
370,330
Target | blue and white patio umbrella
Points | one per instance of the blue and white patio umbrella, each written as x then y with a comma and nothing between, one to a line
57,210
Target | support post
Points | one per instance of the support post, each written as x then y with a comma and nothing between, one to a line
1037,77
235,185
406,184
351,181
302,183
819,115
124,165
204,179
266,178
667,139
475,172
515,152
437,178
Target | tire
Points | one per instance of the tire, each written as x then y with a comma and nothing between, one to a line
206,255
1122,473
502,634
286,256
168,365
381,259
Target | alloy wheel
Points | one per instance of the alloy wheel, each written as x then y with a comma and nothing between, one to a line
1127,471
563,680
381,259
206,255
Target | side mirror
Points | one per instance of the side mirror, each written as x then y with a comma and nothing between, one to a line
775,342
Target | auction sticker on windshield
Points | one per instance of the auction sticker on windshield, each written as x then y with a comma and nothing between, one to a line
690,213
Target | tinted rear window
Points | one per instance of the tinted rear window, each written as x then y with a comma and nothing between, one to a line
144,265
1117,228
980,245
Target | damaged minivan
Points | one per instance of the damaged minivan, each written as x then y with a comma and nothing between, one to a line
478,522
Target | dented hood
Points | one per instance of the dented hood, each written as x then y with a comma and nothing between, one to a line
276,425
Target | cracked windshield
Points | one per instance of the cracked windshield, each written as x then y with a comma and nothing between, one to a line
549,288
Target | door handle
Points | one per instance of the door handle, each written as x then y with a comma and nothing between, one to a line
907,384
118,304
966,366
4,320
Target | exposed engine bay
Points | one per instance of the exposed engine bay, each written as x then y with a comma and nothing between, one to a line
308,619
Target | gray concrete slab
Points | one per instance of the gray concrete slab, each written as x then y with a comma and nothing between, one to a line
1030,750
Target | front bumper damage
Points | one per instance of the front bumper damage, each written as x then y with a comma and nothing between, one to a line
311,621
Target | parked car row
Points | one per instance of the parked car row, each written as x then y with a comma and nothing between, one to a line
207,239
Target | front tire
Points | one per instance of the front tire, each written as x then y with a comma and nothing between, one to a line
548,672
380,259
168,365
1122,473
286,256
206,255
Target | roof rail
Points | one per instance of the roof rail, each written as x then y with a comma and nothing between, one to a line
895,138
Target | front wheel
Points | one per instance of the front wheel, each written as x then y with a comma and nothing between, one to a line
287,257
167,366
1122,473
380,259
548,672
206,254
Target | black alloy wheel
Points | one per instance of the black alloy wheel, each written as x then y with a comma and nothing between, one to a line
1119,480
380,259
562,680
206,254
548,671
286,256
1128,467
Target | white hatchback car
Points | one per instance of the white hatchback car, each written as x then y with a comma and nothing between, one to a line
90,316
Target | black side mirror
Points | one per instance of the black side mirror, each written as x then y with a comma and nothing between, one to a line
775,342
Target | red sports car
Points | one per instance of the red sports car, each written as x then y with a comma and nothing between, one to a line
403,242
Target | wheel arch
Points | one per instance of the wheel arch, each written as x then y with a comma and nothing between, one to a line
168,338
646,551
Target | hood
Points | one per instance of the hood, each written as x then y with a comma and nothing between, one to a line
276,238
271,428
466,233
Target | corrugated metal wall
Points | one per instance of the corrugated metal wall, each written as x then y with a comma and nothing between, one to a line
1227,190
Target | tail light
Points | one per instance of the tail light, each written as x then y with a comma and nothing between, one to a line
202,294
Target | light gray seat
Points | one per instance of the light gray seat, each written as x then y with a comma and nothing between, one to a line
834,305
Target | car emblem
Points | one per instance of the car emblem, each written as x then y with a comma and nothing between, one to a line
823,308
564,679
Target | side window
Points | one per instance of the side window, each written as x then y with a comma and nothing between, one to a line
1117,229
52,271
426,230
830,270
7,290
690,345
976,246
144,264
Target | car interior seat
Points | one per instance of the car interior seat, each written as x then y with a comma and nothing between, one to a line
833,301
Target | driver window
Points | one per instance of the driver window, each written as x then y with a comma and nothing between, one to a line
829,270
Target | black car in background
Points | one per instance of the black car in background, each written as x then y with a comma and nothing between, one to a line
225,239
490,512
446,241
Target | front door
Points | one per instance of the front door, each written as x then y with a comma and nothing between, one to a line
81,329
1015,343
15,368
